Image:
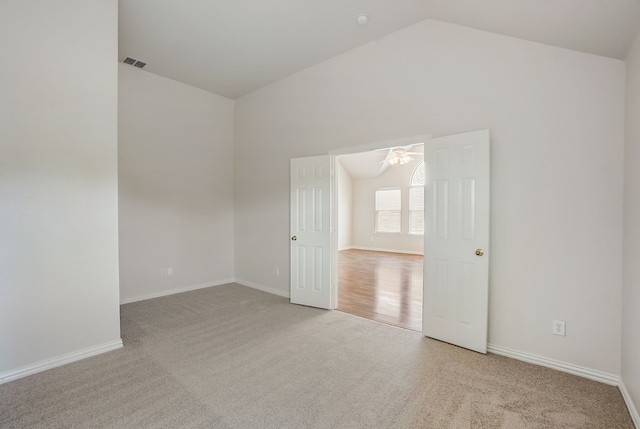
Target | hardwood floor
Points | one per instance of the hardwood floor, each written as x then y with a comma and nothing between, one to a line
381,286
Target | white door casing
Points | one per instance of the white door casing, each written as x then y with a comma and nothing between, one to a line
310,233
456,249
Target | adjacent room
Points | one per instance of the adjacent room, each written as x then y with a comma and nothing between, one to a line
148,261
380,222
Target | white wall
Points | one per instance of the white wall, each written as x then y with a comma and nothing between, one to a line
345,207
58,182
631,268
364,235
556,118
176,185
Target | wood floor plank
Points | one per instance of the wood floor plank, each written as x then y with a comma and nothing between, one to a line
381,286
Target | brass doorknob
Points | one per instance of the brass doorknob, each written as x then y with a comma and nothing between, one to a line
294,238
479,252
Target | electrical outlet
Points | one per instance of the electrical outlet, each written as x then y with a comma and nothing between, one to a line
276,271
558,327
166,272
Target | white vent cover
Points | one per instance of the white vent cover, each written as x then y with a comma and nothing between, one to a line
133,62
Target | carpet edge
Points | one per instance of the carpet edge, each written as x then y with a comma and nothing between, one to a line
591,374
263,288
59,361
175,291
630,405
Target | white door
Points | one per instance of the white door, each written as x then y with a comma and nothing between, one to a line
456,249
310,235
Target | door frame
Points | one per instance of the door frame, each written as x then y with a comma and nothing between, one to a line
333,154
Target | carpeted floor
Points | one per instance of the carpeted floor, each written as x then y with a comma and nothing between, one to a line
233,357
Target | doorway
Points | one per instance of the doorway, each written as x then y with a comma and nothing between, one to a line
456,234
380,234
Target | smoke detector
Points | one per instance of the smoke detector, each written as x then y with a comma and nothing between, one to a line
362,19
134,62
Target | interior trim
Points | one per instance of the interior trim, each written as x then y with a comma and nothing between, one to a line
262,288
630,405
59,361
591,374
174,291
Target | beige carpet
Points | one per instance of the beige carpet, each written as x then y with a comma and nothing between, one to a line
233,357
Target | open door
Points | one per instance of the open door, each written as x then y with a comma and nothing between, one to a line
456,249
310,235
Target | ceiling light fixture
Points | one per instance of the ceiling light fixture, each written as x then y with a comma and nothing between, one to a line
362,19
399,157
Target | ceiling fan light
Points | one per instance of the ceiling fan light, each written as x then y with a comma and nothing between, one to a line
404,159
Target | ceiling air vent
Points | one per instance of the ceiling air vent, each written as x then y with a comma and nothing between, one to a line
133,62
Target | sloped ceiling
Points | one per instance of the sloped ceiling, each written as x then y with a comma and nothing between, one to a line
370,164
233,47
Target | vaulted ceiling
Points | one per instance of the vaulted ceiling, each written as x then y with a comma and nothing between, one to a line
232,47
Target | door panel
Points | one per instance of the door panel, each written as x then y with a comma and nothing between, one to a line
456,280
310,235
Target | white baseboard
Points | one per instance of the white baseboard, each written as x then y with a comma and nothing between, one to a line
630,405
174,291
58,361
262,288
377,249
591,374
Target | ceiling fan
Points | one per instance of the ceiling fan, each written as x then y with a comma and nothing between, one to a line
399,155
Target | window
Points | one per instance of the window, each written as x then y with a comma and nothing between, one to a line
416,201
388,204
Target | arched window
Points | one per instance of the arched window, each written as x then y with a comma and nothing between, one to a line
416,201
417,177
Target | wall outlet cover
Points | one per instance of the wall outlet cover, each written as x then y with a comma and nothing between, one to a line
559,327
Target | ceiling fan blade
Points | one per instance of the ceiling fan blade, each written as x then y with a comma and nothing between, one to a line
385,165
397,155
